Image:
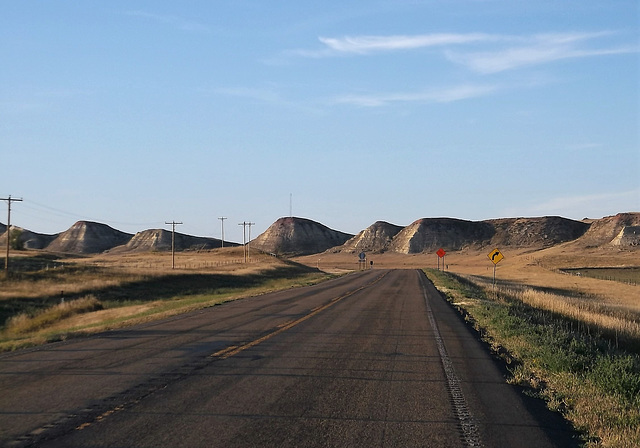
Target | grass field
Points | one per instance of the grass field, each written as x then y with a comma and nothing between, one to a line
630,275
49,297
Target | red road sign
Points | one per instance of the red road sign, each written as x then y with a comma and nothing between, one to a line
441,252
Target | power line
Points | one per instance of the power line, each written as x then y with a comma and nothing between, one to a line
62,213
9,200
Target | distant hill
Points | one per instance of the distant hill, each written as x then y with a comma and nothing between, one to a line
32,240
535,232
429,234
617,230
298,236
86,237
375,238
160,240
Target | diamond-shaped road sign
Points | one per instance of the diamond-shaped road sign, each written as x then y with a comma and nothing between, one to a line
495,256
441,253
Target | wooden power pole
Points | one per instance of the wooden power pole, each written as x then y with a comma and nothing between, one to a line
245,243
173,242
9,201
222,218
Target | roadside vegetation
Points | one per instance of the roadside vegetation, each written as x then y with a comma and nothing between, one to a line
55,299
629,275
580,356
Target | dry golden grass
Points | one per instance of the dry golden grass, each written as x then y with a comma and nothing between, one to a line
536,268
107,270
24,323
542,269
134,288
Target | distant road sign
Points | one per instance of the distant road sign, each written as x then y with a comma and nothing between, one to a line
441,253
362,256
495,256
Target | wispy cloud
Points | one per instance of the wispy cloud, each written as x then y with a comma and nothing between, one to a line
370,44
172,21
536,50
361,45
506,52
446,95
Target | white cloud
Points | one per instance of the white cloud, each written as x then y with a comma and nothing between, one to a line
369,44
447,95
536,50
507,52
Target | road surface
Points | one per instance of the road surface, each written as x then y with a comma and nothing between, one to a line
372,359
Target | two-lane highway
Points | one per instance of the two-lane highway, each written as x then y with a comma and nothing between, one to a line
376,358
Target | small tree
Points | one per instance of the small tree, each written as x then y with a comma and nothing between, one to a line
15,239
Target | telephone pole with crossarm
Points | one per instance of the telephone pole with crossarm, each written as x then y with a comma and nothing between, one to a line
9,201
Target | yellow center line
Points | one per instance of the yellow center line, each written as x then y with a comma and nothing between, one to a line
234,350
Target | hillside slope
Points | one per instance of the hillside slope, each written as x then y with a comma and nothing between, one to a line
375,238
536,232
86,237
610,230
160,240
298,236
429,234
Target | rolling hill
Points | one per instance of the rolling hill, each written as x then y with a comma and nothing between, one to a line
298,236
86,237
293,236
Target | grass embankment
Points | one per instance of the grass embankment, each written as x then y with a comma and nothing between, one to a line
571,362
71,301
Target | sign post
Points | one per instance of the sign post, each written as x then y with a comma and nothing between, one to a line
495,256
441,253
362,259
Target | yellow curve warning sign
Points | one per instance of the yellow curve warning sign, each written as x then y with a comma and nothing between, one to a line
495,256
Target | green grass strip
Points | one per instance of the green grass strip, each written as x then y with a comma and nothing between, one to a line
594,385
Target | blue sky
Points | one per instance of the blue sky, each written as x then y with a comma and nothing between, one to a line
133,113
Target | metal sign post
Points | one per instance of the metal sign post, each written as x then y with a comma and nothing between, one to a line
495,256
441,253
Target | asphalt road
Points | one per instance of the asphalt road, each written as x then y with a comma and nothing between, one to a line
372,359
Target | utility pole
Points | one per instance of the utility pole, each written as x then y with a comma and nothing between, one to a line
222,218
9,201
245,243
244,239
173,242
249,242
